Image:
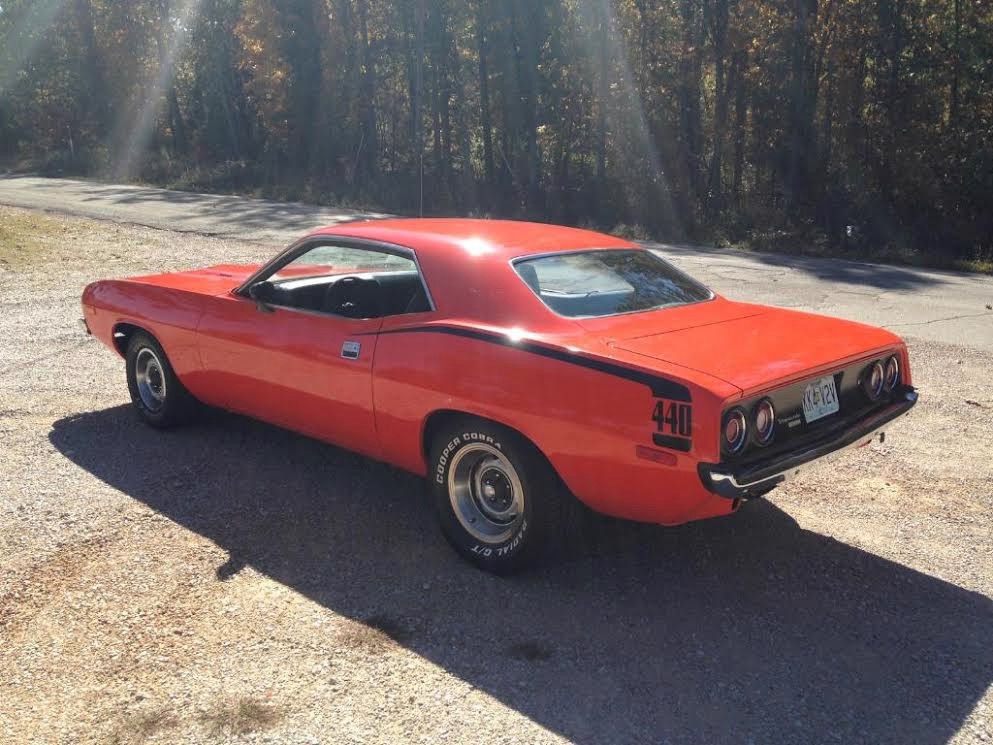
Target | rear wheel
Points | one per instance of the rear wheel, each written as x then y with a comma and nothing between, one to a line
499,503
156,393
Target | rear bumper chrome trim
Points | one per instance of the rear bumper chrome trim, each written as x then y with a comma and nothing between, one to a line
755,480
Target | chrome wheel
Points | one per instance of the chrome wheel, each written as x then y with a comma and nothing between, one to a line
486,493
150,378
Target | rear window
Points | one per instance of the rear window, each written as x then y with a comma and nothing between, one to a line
588,284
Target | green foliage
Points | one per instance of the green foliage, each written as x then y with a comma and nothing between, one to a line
839,124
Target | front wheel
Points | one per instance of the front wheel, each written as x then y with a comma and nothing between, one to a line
498,501
158,396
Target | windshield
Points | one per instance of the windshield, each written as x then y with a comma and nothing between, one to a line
587,284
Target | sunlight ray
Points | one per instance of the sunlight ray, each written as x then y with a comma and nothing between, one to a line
630,101
135,128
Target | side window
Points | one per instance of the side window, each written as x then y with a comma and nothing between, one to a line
326,260
349,281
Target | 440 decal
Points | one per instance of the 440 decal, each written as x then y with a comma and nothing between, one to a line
673,424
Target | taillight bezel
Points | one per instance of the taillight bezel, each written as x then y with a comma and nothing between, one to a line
741,441
757,436
891,379
873,393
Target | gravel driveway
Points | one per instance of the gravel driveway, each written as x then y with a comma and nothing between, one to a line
234,582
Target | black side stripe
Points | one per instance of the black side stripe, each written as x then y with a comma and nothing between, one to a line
660,387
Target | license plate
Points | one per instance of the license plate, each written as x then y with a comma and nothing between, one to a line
820,398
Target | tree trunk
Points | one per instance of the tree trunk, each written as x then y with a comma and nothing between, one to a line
466,196
802,108
891,29
953,113
854,128
409,43
826,140
508,105
94,103
414,49
176,124
740,114
718,33
529,15
443,59
369,140
689,93
603,93
482,43
302,52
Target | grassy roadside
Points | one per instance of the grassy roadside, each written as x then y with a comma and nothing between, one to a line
30,238
24,237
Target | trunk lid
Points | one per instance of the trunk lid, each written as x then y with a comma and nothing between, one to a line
764,347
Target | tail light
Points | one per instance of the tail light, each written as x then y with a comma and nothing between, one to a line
874,380
892,373
764,420
735,431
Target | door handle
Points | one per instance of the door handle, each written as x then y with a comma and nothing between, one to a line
350,350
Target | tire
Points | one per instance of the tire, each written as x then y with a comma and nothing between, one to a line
498,501
158,396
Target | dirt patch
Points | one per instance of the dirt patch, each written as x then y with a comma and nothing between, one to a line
31,589
28,238
241,717
140,726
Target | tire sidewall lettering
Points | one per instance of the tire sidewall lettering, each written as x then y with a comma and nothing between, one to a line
477,437
441,467
505,549
515,542
485,551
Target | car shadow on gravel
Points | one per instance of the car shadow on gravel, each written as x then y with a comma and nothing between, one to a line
735,630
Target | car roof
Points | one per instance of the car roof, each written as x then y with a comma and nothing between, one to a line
466,264
475,238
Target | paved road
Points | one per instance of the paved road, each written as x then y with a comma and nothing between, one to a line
941,306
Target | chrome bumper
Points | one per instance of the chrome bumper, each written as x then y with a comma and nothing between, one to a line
756,479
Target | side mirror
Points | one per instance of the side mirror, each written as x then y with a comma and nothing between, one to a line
262,293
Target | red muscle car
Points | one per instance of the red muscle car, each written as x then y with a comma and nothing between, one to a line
518,367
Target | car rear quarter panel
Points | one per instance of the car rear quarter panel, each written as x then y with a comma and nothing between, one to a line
588,423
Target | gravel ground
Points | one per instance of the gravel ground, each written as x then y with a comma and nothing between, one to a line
231,582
